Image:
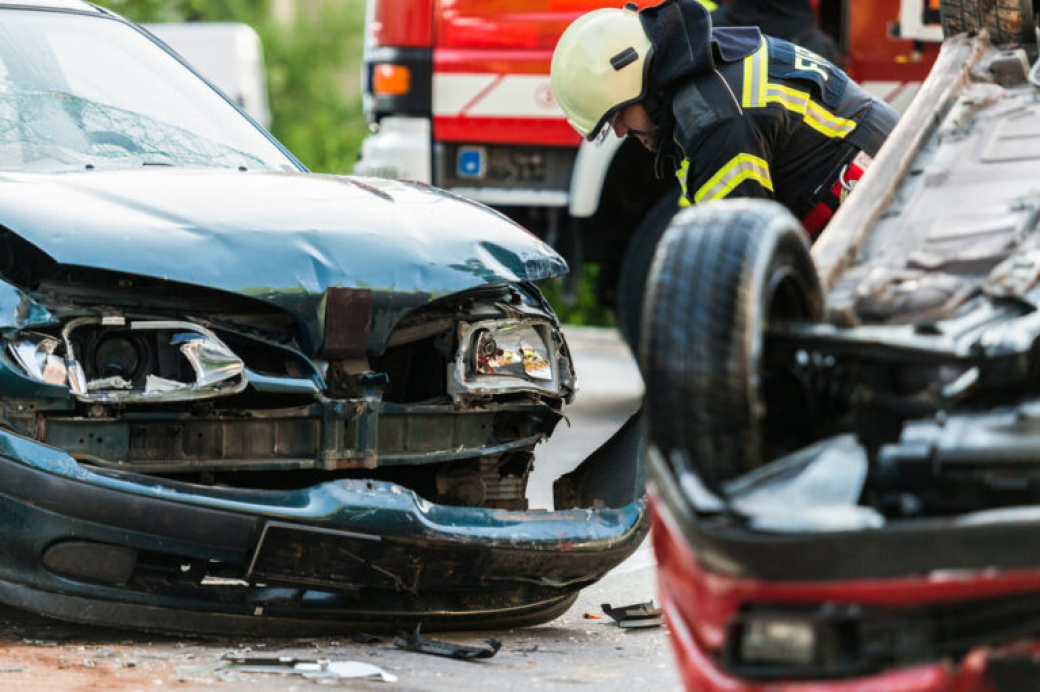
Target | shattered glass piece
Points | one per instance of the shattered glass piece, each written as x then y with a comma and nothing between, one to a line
357,669
424,645
107,383
320,669
77,378
54,371
154,383
515,351
37,359
211,360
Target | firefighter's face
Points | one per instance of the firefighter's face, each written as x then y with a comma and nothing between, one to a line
634,121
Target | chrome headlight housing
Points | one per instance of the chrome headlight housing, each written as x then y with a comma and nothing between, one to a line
140,361
510,355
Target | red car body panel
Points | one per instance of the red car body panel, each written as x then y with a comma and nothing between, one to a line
697,605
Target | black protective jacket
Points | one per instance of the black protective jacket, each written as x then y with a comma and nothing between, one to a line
746,115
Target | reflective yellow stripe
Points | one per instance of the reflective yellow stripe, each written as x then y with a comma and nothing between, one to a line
827,123
709,5
740,168
791,99
684,170
756,76
759,92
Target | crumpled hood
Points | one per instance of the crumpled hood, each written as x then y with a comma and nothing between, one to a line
281,237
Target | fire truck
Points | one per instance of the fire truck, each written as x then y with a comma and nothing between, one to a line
457,94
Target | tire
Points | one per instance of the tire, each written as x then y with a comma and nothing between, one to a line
635,265
721,272
1008,21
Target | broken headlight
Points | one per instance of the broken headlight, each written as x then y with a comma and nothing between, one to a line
502,356
35,354
112,360
517,351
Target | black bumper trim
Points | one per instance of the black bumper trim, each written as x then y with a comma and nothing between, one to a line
156,516
909,548
176,620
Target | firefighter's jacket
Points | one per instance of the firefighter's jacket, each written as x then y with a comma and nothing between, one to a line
747,115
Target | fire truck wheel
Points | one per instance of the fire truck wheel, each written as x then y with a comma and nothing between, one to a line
720,274
636,264
1008,21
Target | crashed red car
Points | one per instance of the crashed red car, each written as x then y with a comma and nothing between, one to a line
846,444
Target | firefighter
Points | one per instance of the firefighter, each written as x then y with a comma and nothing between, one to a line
732,112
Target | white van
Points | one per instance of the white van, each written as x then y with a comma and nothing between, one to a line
229,55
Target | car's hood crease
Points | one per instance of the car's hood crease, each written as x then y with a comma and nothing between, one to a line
282,238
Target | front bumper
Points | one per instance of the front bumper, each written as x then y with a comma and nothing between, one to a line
127,550
919,605
694,601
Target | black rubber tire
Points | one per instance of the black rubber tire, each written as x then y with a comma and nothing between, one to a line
1008,21
720,273
635,265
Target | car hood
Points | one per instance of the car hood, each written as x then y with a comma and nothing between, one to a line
285,238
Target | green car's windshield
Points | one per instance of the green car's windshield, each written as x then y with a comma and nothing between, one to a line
90,92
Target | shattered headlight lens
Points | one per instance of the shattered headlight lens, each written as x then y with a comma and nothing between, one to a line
35,354
515,351
510,355
112,360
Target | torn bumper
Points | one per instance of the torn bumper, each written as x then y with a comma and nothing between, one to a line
118,549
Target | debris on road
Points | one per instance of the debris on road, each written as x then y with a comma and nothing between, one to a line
309,668
425,645
634,616
593,616
365,638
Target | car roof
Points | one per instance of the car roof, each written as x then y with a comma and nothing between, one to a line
51,4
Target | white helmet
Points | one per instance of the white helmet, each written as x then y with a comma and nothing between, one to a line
599,66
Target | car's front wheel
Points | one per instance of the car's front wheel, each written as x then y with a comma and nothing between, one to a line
721,273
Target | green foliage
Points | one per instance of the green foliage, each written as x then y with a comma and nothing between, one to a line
312,68
309,68
579,305
248,11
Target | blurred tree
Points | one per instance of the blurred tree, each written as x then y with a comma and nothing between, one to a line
248,11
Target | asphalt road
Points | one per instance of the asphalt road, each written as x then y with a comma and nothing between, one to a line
582,650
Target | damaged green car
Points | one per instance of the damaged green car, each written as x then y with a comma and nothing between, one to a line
240,397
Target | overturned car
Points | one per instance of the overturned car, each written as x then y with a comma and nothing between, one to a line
845,444
237,396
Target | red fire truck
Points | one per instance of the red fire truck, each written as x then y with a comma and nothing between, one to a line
458,95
